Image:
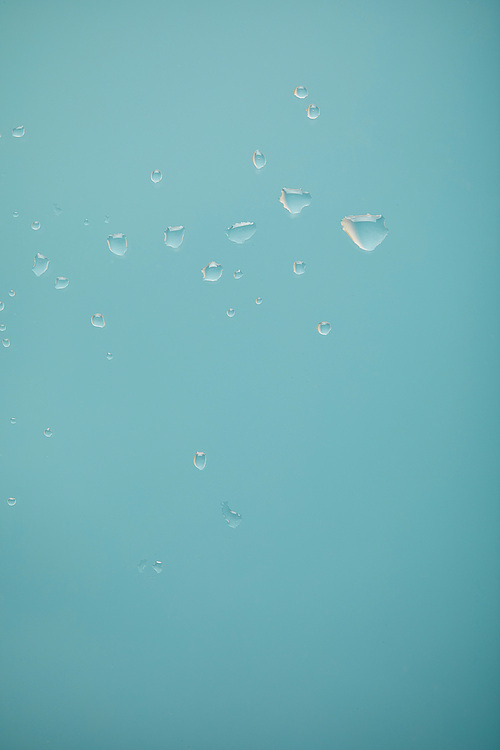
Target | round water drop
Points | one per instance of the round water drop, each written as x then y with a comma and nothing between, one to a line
3,327
299,267
238,274
97,320
241,231
259,159
200,460
156,176
324,328
13,420
232,518
157,566
117,243
6,343
85,222
174,237
61,282
18,132
2,305
11,500
301,92
312,111
40,264
15,214
294,199
109,356
12,293
35,225
258,300
230,313
48,432
212,271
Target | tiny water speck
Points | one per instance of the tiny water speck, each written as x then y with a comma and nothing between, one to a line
156,176
85,222
61,282
230,313
313,112
40,264
109,355
299,267
35,225
212,271
158,566
11,500
241,231
141,567
367,231
232,518
18,131
106,219
259,160
200,460
324,328
6,343
3,327
57,209
15,214
301,92
117,243
294,199
258,300
238,274
13,420
97,320
48,432
174,237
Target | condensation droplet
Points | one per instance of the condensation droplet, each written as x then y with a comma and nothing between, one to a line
259,160
294,199
40,264
156,176
11,500
174,237
19,131
3,327
97,320
117,243
299,267
324,328
301,92
141,567
238,274
200,460
233,519
6,343
109,355
231,312
158,566
212,271
258,300
13,420
35,225
85,222
241,232
366,230
106,219
12,293
48,432
61,282
15,214
313,112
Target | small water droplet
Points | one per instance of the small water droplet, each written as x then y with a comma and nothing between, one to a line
13,420
48,432
230,313
106,219
2,305
200,460
57,210
12,293
3,327
11,500
158,566
301,92
35,225
61,282
299,267
117,243
15,214
97,320
174,236
142,566
6,343
156,176
18,132
241,232
212,272
366,230
40,264
259,159
258,300
324,328
109,355
233,519
85,222
312,112
238,274
294,199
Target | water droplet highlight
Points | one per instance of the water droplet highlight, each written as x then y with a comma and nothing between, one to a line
313,112
117,243
15,214
48,432
366,230
299,267
294,199
241,232
200,460
6,343
156,176
40,264
174,237
12,293
158,566
61,282
233,519
258,300
324,328
109,356
212,272
3,327
18,132
231,312
11,501
301,92
35,225
238,274
259,160
97,320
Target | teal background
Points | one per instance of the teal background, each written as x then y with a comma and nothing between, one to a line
357,605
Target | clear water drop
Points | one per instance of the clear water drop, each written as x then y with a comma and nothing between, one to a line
212,271
19,131
11,500
156,176
61,282
6,343
117,243
48,432
313,112
40,264
174,237
141,567
200,460
231,312
15,214
241,232
12,293
366,230
97,320
85,222
324,328
3,327
158,566
259,160
2,305
109,356
232,518
13,420
57,210
35,225
294,199
238,274
258,300
301,92
299,267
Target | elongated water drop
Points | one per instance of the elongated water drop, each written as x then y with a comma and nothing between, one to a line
40,264
174,236
117,243
259,159
232,518
241,232
6,343
200,460
156,176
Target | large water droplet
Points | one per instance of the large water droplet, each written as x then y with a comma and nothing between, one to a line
6,343
18,132
238,274
40,264
230,313
241,232
158,566
3,327
141,567
2,305
294,199
366,230
61,282
258,300
233,519
200,460
324,328
156,176
259,159
12,293
97,320
301,92
299,267
212,272
174,236
117,243
11,500
48,432
35,225
313,112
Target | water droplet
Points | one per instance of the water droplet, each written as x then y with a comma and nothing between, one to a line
11,500
156,176
48,432
109,355
57,210
212,272
258,300
238,274
15,214
174,237
366,230
313,111
158,566
233,519
259,159
142,566
61,282
324,328
40,264
18,132
13,420
35,225
97,320
85,222
301,92
3,327
294,199
299,267
2,305
230,313
117,243
106,219
12,293
241,232
200,460
6,343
